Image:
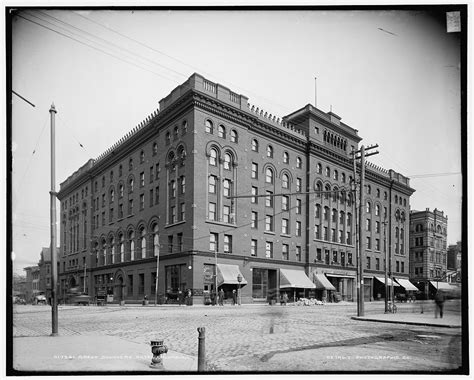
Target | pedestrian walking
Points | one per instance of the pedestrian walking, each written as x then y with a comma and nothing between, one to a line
221,297
234,297
439,300
285,298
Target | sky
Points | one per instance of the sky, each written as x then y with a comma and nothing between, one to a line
392,75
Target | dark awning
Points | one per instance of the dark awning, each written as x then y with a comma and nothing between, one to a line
227,274
389,281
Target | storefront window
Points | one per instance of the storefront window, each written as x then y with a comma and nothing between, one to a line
259,283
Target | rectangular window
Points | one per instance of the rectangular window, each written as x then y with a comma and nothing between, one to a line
317,232
326,213
377,264
170,244
298,229
130,207
254,192
284,226
182,212
130,285
368,262
325,233
377,227
142,201
341,236
368,242
259,283
254,170
227,188
343,259
173,214
298,206
367,225
349,219
111,215
151,197
326,256
142,179
398,266
157,195
334,256
141,284
212,211
226,214
269,250
172,189
377,244
213,242
298,185
403,267
183,184
254,220
180,242
285,252
269,199
157,170
334,215
269,223
253,247
227,244
333,235
348,238
151,174
298,253
349,258
285,201
319,254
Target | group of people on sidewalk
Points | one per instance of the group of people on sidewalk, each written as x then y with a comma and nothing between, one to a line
221,296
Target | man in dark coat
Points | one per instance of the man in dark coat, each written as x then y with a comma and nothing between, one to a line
439,300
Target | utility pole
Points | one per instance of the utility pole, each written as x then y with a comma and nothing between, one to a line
360,261
157,267
85,267
54,259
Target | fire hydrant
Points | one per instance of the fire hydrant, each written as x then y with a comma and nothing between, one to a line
157,349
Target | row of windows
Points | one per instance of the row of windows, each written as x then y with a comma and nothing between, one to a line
221,131
342,258
255,145
270,177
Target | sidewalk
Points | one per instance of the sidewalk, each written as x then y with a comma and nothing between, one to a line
93,353
425,319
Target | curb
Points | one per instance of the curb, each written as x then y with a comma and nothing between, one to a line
404,322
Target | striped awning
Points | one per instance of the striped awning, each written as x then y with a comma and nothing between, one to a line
227,274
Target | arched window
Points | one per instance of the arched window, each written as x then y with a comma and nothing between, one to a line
349,199
377,210
213,157
336,175
419,228
131,237
227,161
121,191
112,195
385,195
155,149
396,198
343,177
319,168
269,175
184,127
143,243
234,137
254,145
327,190
121,248
269,151
299,163
335,194
112,249
378,193
142,157
319,189
342,199
285,182
369,189
156,241
175,132
167,138
404,202
130,164
209,126
286,158
104,251
221,131
130,184
368,207
328,172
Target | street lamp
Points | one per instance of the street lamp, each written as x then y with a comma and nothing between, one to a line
239,279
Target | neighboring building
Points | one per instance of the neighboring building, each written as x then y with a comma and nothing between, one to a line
428,253
162,191
454,262
32,287
19,286
44,265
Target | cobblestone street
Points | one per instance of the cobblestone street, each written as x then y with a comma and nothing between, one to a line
261,337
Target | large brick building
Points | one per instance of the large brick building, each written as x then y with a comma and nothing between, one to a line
428,252
165,190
